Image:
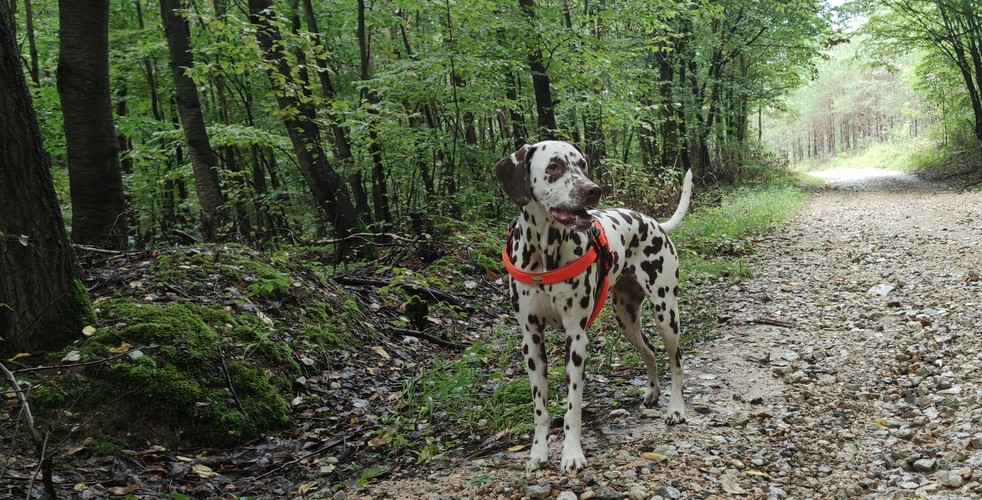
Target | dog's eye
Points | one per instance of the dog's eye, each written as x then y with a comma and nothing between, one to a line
554,168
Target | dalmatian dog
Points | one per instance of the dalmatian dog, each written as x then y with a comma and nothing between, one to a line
548,181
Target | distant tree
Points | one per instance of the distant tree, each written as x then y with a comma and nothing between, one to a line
42,303
952,28
98,207
204,163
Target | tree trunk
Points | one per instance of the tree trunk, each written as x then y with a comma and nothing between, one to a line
380,194
204,163
541,87
31,45
342,144
327,188
98,208
519,133
43,306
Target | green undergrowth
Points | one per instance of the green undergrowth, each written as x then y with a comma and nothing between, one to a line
716,241
174,374
461,400
202,351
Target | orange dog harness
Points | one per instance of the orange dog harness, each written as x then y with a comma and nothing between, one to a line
598,251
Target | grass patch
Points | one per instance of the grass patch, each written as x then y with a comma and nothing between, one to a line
717,241
200,377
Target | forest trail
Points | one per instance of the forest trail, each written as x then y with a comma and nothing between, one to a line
847,366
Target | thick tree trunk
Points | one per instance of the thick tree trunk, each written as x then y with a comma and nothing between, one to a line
326,186
43,306
98,208
204,163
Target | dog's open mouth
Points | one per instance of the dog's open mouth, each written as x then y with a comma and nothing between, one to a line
577,219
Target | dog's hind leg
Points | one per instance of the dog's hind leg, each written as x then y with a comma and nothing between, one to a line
627,297
667,319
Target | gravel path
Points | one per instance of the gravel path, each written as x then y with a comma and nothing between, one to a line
848,366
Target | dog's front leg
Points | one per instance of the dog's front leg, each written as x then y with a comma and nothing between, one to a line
576,342
534,348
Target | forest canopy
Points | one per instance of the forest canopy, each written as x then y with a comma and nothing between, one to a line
373,111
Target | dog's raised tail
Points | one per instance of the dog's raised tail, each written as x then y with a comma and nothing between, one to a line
683,204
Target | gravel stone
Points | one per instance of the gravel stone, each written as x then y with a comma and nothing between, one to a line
537,491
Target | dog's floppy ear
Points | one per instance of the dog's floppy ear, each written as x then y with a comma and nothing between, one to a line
513,176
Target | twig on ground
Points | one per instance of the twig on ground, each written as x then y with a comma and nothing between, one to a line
431,338
40,443
85,363
432,293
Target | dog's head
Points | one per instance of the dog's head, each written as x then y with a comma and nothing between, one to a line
552,174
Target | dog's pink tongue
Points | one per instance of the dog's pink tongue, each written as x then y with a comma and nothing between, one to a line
562,216
579,221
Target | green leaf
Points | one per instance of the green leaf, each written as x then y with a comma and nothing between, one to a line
371,473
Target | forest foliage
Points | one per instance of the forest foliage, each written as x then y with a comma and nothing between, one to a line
411,101
908,76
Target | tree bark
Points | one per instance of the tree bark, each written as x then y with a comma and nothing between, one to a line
326,186
541,86
31,45
43,306
204,163
380,193
98,208
342,144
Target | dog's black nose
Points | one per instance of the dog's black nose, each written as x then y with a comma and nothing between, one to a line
592,193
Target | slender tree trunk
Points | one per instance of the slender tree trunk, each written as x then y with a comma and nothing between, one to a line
43,305
327,188
380,192
98,207
204,163
125,144
31,45
541,86
520,134
342,143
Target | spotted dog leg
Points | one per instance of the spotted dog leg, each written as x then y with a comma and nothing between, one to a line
668,326
534,348
576,355
627,297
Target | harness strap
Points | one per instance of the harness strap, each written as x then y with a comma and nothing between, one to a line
598,251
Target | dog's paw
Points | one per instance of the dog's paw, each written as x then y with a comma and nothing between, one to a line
536,460
675,417
650,399
572,461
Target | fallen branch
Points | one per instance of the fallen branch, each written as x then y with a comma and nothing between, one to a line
85,363
369,237
40,443
431,338
771,322
90,248
432,293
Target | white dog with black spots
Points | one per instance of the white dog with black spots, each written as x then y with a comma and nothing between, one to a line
548,180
